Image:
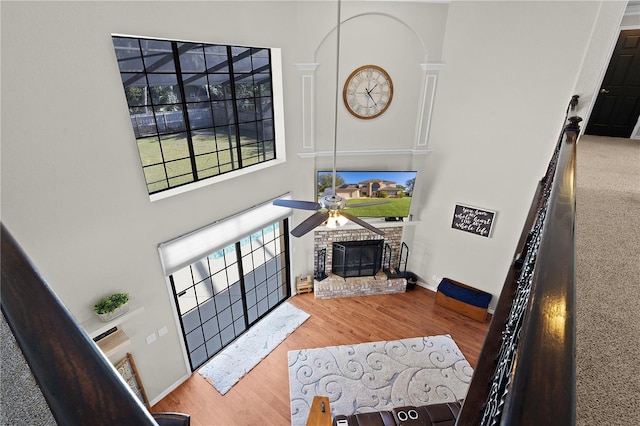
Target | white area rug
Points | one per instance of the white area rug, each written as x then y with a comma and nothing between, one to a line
378,376
232,363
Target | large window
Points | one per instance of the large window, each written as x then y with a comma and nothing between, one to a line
221,295
197,110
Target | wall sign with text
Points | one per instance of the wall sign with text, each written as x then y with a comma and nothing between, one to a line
474,220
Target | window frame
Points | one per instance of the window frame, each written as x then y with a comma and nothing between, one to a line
242,254
278,126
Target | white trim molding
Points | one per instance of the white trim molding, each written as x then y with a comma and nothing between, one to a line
307,66
412,152
308,103
425,103
432,67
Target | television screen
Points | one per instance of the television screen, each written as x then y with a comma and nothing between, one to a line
357,187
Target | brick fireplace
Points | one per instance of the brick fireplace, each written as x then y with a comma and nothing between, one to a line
335,286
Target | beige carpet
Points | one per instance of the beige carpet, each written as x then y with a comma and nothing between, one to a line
608,281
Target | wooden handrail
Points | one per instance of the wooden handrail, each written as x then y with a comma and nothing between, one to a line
78,382
526,371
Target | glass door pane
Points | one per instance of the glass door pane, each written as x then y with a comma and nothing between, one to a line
220,296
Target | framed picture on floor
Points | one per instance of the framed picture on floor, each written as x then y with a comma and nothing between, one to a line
129,372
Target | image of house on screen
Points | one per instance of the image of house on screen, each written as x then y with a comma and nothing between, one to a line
373,188
369,184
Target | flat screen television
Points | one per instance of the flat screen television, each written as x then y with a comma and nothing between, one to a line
357,187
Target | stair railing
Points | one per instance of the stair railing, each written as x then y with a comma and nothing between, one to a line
526,371
77,380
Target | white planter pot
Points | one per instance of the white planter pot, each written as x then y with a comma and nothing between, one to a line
114,314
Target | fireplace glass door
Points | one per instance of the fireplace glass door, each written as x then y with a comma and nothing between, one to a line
357,258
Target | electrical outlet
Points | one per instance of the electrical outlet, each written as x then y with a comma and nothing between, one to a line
151,338
163,331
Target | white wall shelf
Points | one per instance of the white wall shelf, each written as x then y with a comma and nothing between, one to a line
113,342
94,327
378,223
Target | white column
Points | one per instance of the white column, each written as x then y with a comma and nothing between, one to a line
307,71
425,107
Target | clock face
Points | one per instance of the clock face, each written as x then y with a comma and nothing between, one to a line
368,92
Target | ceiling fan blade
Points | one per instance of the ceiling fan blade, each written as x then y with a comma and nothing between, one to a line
362,223
297,204
309,223
372,203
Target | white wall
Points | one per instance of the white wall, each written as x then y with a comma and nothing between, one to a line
74,196
73,192
511,68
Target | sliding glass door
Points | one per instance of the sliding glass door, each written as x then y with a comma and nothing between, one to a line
220,296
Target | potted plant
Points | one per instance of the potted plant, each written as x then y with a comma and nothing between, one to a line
112,306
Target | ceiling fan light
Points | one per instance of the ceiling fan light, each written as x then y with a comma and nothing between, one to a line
332,222
341,220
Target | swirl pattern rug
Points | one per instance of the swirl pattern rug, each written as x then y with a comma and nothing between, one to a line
377,376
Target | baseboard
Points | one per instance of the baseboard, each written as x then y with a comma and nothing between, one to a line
170,389
427,286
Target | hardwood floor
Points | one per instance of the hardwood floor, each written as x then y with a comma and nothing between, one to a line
262,396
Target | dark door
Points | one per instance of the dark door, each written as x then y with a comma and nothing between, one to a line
617,107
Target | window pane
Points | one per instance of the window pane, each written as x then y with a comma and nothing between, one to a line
222,113
207,165
200,116
191,57
157,186
219,280
128,54
175,147
214,345
241,57
190,321
233,275
207,310
136,89
149,149
210,328
220,86
265,109
217,58
178,168
155,174
248,132
260,58
169,119
180,180
269,150
196,88
164,89
203,290
158,55
198,357
204,142
195,339
244,86
187,300
182,279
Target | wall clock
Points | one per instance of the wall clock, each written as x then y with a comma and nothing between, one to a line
367,92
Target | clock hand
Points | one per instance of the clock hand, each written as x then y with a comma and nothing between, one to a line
369,94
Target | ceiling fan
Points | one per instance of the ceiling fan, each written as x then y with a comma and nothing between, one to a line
329,210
